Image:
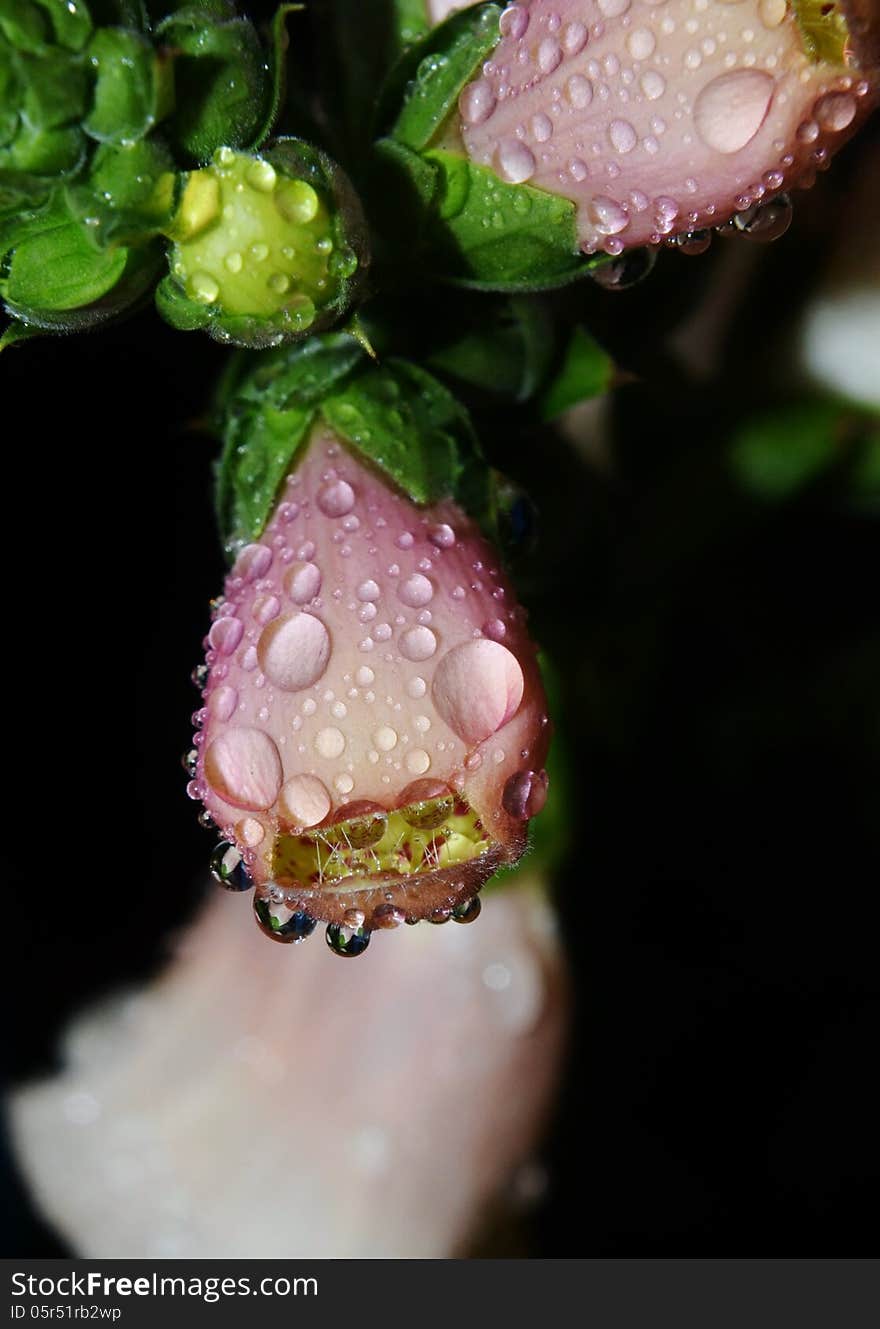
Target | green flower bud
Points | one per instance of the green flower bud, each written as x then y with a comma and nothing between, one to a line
266,248
222,83
43,95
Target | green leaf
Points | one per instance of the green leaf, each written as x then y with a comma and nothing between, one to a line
426,83
130,193
221,84
396,415
489,234
132,87
60,269
18,332
586,371
507,351
780,453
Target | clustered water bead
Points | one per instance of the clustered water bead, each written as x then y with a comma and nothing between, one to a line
252,241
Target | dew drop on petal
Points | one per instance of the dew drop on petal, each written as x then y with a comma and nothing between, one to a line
303,582
330,743
516,162
835,111
244,768
477,687
223,703
730,110
416,591
477,102
336,499
294,651
226,634
418,644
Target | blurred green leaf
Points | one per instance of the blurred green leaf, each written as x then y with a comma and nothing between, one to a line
508,352
780,452
586,372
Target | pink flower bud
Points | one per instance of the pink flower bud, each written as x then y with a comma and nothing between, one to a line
661,117
374,726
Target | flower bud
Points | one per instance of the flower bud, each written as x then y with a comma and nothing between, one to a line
374,729
660,119
266,248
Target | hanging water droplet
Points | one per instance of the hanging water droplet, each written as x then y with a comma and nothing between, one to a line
468,912
189,762
347,941
227,868
625,271
199,676
388,916
766,221
692,242
282,923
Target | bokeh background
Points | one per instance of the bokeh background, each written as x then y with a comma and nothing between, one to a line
703,575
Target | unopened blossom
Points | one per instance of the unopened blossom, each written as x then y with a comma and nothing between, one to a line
661,117
374,727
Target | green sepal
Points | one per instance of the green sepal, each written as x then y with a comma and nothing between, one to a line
423,87
399,418
824,30
221,81
133,87
174,306
18,332
56,277
586,371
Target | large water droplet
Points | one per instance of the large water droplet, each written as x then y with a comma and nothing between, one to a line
330,743
626,271
346,941
766,221
730,110
835,111
525,794
418,644
580,91
296,201
641,43
294,651
516,162
477,102
303,582
225,635
514,22
336,499
244,768
609,217
468,912
228,870
282,923
622,135
416,591
304,801
477,688
549,55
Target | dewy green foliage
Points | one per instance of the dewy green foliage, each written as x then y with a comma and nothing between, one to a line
395,415
459,220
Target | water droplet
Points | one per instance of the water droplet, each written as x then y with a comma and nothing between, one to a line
189,761
226,634
244,768
525,794
259,251
222,703
613,8
279,282
426,804
468,912
296,201
364,677
766,221
336,499
772,12
368,590
542,127
303,582
622,135
514,22
516,163
199,676
442,536
250,832
343,784
261,176
234,261
580,91
477,102
417,761
330,742
227,868
304,801
641,43
693,242
294,651
653,85
282,923
835,111
202,288
609,217
418,644
266,608
346,941
416,591
387,916
353,918
549,55
730,110
574,38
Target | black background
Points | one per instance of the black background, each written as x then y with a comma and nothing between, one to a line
719,671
